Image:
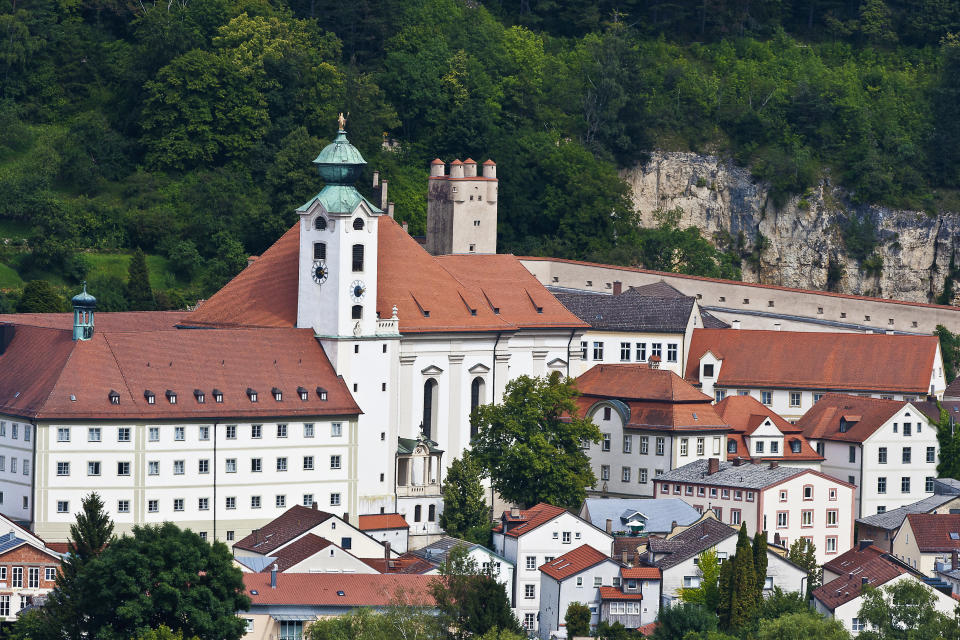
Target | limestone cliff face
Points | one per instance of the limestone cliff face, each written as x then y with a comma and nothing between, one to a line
718,196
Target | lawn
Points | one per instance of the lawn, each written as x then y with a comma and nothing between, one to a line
117,264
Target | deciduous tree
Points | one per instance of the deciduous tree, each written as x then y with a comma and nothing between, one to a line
465,512
577,619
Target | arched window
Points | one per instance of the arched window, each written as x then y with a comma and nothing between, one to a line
319,250
477,389
320,223
357,312
432,512
358,257
416,513
430,397
358,224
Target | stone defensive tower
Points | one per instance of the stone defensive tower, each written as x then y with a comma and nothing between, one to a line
462,208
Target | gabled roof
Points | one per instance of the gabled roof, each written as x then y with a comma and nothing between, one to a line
745,414
325,589
530,519
437,552
614,593
111,321
293,522
630,311
573,562
935,532
822,420
640,573
298,551
893,519
746,476
659,289
382,521
660,513
817,360
407,563
952,392
45,374
870,565
690,542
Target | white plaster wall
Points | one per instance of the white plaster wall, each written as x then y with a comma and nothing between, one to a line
15,486
612,342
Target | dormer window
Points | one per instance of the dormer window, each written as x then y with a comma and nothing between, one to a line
322,393
303,393
277,394
114,397
151,398
795,446
171,396
199,395
217,396
708,371
251,394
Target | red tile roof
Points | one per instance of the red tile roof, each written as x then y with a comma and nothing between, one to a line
822,421
657,398
298,551
614,593
290,524
745,413
404,564
573,562
815,360
45,374
851,558
323,589
380,521
647,629
640,573
860,565
530,519
104,320
932,531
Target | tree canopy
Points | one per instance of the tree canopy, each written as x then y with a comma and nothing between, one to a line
465,512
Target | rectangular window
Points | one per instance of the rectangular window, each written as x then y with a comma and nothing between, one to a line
256,465
684,447
700,446
806,518
604,472
529,621
531,563
656,350
33,578
565,537
794,398
334,462
831,546
628,444
308,463
905,484
358,257
832,515
641,351
719,394
735,516
123,434
281,464
153,468
749,496
881,485
123,468
906,455
774,447
178,504
93,468
13,464
63,468
63,506
231,432
63,434
93,434
123,506
605,443
231,502
336,429
334,499
256,431
49,574
808,492
852,453
204,433
153,506
642,476
625,351
231,465
254,502
625,474
319,250
782,520
280,502
931,454
13,430
203,466
766,397
308,430
907,429
598,351
26,467
153,434
758,446
308,499
928,485
178,467
179,434
583,350
281,431
5,607
671,353
882,455
661,445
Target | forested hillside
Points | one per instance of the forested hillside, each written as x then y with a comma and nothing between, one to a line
186,128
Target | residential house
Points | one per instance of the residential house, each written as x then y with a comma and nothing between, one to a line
887,448
880,529
759,434
576,576
532,537
676,557
789,371
306,554
296,523
651,420
786,502
637,516
637,325
28,570
844,578
500,568
282,606
388,528
926,539
635,601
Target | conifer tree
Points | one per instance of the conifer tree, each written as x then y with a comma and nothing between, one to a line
723,609
760,561
139,293
743,585
465,513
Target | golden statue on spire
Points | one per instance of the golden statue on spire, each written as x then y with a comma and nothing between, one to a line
341,121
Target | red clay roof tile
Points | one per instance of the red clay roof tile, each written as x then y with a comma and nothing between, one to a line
933,531
298,551
531,518
822,420
745,413
290,524
382,521
640,573
860,565
613,593
324,589
573,562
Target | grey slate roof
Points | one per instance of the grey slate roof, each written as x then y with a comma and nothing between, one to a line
256,563
746,476
437,552
894,518
711,321
660,512
10,541
630,311
946,486
658,290
691,542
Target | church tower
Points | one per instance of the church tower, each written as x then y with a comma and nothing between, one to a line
337,293
462,208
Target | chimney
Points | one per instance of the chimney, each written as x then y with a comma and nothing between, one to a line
256,537
390,209
514,512
623,557
273,576
251,260
609,525
776,326
954,565
863,581
713,465
376,179
386,552
654,362
314,505
863,544
346,517
737,461
673,525
889,332
735,324
774,464
383,195
617,287
406,228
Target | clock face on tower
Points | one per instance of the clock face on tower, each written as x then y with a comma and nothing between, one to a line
320,271
357,289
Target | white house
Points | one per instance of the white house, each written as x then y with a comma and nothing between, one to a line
676,557
926,539
500,568
387,528
886,447
786,502
844,578
651,421
532,537
759,434
642,323
790,371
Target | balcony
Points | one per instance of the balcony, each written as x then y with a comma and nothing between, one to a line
431,490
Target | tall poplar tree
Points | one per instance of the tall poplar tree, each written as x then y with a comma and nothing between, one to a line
139,292
739,601
760,560
465,513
